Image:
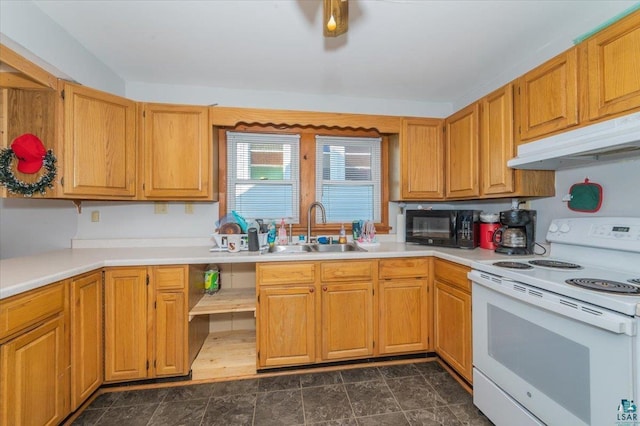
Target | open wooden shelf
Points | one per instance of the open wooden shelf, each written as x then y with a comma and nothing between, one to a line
226,354
226,300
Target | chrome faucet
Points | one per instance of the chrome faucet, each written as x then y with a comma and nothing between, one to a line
324,217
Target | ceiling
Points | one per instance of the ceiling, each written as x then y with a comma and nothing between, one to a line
435,51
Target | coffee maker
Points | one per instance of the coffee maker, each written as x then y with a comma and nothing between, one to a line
516,234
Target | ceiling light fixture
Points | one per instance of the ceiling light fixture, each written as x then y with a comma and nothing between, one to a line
336,17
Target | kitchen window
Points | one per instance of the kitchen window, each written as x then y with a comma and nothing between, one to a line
348,178
274,172
263,176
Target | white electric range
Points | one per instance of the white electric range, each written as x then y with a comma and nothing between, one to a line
555,338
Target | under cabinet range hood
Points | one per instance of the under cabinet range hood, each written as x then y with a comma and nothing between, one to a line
609,140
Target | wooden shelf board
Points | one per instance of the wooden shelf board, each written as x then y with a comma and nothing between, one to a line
226,300
226,354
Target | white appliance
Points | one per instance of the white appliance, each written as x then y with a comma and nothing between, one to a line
560,346
609,140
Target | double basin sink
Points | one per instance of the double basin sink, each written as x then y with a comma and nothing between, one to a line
315,248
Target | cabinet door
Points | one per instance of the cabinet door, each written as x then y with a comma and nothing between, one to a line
549,96
613,64
86,337
125,339
33,376
404,320
496,140
99,144
422,159
452,312
171,344
286,333
347,320
176,152
462,153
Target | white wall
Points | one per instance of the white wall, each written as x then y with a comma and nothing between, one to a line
621,193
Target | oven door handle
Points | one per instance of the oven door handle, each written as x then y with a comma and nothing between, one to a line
569,308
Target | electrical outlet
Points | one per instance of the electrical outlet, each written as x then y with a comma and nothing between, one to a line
95,216
188,207
160,208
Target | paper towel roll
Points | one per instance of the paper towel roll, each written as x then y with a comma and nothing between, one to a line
400,228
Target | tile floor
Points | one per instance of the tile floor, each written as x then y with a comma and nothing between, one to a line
404,394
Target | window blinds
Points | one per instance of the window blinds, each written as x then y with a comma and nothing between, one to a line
348,178
263,177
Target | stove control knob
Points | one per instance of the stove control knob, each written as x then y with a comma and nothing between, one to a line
553,227
565,227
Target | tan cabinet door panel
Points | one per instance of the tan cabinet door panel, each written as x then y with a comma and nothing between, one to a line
33,389
462,149
125,340
497,142
99,144
171,342
421,159
86,337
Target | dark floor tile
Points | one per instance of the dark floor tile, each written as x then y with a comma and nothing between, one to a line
279,408
429,368
326,403
342,422
401,370
320,379
143,396
89,417
436,416
414,392
389,419
132,415
183,393
235,387
105,400
449,390
360,375
180,413
231,410
469,415
370,398
268,384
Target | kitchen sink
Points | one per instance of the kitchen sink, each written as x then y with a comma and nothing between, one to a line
302,248
309,248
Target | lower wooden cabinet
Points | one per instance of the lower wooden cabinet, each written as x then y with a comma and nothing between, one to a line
452,316
86,340
34,364
146,322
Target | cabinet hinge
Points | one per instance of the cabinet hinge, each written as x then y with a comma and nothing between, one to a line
374,343
147,279
143,186
519,130
62,181
62,94
147,364
258,298
144,114
155,305
154,364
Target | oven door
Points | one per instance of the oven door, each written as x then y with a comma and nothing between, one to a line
565,362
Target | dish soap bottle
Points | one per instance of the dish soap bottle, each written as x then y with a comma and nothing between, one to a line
282,233
342,236
271,234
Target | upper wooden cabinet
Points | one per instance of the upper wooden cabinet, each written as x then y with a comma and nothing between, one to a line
613,68
99,148
176,152
549,96
416,158
497,146
462,165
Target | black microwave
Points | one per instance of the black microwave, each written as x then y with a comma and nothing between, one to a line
444,228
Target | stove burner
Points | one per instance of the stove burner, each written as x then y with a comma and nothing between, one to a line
605,285
556,264
513,265
634,280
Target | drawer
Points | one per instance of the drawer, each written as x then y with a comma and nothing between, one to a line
21,311
285,273
169,277
408,267
452,273
347,271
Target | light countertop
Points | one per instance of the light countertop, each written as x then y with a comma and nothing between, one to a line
21,274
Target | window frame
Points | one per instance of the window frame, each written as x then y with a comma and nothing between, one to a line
307,168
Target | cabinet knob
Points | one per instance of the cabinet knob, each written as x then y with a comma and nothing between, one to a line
324,288
311,289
